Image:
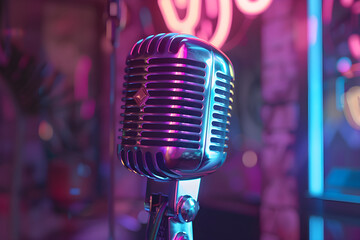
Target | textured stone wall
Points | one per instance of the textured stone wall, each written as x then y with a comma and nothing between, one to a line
279,202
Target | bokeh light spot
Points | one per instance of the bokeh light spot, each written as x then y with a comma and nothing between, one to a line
143,217
249,159
352,107
347,3
343,64
354,45
45,131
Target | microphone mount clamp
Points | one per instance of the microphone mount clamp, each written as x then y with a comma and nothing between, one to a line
172,206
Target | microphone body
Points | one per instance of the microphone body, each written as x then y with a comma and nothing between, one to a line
178,95
177,100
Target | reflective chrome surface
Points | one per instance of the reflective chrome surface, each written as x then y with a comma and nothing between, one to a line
182,207
187,208
178,96
181,236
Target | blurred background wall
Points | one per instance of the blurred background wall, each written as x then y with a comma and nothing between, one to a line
55,118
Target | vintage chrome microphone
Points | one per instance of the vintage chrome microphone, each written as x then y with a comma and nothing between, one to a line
178,97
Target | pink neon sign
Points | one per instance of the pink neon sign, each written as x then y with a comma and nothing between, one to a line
222,10
251,7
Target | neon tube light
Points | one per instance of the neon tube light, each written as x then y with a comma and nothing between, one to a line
316,228
315,99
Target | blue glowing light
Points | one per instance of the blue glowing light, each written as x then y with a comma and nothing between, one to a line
75,191
316,228
315,98
340,91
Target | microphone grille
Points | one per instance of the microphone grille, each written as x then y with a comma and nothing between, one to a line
173,89
177,102
220,119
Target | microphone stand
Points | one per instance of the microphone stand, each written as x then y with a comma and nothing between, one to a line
112,28
172,206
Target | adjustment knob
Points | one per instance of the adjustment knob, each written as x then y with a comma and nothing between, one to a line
187,208
181,236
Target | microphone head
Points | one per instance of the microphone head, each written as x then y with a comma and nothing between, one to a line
177,99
